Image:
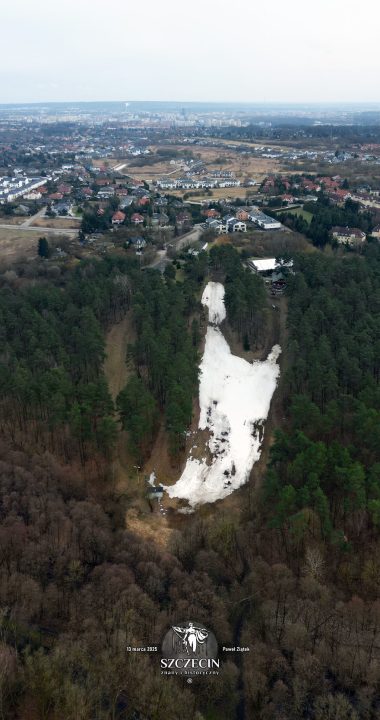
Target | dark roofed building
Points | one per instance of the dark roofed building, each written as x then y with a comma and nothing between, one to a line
348,236
138,242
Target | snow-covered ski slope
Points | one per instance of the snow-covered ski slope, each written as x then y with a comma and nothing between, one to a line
234,398
213,298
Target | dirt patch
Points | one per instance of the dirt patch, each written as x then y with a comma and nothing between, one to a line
13,219
126,478
19,243
116,369
223,158
151,526
160,461
223,240
213,157
215,194
59,223
15,244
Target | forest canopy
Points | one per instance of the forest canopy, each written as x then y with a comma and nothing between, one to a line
329,461
294,575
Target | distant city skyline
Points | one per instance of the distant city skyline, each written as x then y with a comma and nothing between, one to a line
215,52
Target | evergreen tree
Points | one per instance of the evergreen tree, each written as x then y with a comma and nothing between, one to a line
43,248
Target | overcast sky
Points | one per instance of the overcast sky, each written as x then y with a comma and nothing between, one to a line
235,50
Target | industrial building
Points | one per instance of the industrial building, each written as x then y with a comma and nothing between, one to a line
264,221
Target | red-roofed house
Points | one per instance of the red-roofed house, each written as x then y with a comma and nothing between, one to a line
118,217
211,213
344,194
64,189
310,185
183,220
137,218
102,181
142,201
287,198
242,215
329,183
268,185
339,196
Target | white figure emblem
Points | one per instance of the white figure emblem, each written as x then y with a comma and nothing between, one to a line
191,636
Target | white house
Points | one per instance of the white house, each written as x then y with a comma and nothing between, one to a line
226,183
167,184
34,195
13,188
268,265
348,236
237,226
264,221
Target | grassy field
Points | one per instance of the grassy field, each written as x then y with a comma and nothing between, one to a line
242,165
115,367
216,194
305,214
13,219
15,244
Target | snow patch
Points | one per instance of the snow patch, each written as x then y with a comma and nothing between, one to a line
213,298
234,398
152,479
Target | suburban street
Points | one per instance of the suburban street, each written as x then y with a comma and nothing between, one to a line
41,230
27,226
30,220
162,260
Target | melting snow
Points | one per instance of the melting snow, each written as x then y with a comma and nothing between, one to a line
152,479
213,297
234,398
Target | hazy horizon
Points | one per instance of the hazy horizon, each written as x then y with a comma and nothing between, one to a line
128,103
249,54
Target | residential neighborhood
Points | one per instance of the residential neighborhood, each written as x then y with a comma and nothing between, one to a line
105,187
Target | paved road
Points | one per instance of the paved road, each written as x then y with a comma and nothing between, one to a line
162,260
120,167
30,220
41,230
185,240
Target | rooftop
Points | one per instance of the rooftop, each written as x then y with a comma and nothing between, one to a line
266,264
